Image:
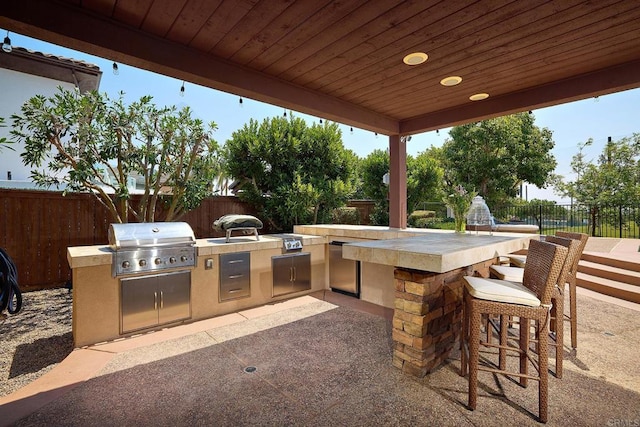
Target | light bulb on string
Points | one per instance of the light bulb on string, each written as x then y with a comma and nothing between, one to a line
6,44
182,89
115,69
351,130
285,113
240,102
320,121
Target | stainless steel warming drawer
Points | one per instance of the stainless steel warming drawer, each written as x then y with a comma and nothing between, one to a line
235,275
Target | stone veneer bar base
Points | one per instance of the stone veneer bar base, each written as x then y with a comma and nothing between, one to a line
428,316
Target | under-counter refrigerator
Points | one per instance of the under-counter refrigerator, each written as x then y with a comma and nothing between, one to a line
344,274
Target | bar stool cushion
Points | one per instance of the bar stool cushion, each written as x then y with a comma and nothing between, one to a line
504,272
500,291
518,260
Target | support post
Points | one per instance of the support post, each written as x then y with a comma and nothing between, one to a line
397,182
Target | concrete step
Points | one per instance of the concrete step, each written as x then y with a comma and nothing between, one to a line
622,261
609,287
623,275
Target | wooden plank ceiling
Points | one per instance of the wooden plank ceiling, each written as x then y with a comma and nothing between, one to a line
342,59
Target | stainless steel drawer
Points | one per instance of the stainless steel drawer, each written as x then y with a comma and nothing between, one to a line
235,275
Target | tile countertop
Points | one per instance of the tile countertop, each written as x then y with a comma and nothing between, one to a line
89,256
437,252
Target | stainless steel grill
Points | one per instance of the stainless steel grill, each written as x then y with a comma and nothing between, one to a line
151,247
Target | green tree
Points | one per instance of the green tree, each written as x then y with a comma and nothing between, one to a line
424,181
494,156
373,169
89,142
289,172
614,180
3,140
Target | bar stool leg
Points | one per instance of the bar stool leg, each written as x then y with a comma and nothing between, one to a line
543,364
474,356
525,326
573,313
504,325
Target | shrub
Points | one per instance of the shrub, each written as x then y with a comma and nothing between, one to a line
418,219
346,215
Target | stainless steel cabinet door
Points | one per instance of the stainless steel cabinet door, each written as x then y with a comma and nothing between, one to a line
174,291
291,273
139,303
301,272
282,275
152,300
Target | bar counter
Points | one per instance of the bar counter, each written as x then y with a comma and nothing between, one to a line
428,288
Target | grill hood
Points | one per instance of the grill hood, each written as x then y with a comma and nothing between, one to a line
150,235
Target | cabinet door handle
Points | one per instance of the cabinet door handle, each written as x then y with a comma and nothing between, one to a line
231,291
155,300
291,274
294,274
161,299
235,276
235,261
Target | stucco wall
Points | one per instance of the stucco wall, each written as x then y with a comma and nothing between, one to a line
16,88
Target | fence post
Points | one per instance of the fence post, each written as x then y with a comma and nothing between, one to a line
541,221
620,218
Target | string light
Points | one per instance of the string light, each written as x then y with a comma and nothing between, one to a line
6,44
320,121
285,113
115,69
437,131
240,101
182,89
351,130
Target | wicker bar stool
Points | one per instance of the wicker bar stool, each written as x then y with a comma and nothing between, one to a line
571,280
515,274
529,301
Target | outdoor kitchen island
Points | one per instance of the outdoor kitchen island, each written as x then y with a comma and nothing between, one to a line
100,298
426,284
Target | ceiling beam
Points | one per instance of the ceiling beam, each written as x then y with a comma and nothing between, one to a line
608,80
67,25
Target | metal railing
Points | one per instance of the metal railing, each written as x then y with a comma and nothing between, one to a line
597,221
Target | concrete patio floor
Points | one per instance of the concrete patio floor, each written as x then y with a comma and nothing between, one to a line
322,360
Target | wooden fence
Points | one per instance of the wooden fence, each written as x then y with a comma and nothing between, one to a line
36,227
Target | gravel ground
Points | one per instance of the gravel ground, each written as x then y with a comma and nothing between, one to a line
36,339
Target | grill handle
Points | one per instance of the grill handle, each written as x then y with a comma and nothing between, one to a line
162,245
155,300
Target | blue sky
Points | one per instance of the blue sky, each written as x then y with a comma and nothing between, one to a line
616,115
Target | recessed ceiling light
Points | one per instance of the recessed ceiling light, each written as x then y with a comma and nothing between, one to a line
479,96
451,81
415,58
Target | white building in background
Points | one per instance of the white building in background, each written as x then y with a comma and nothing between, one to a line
23,74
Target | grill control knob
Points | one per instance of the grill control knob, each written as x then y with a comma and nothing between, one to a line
125,264
183,258
172,260
158,261
142,262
